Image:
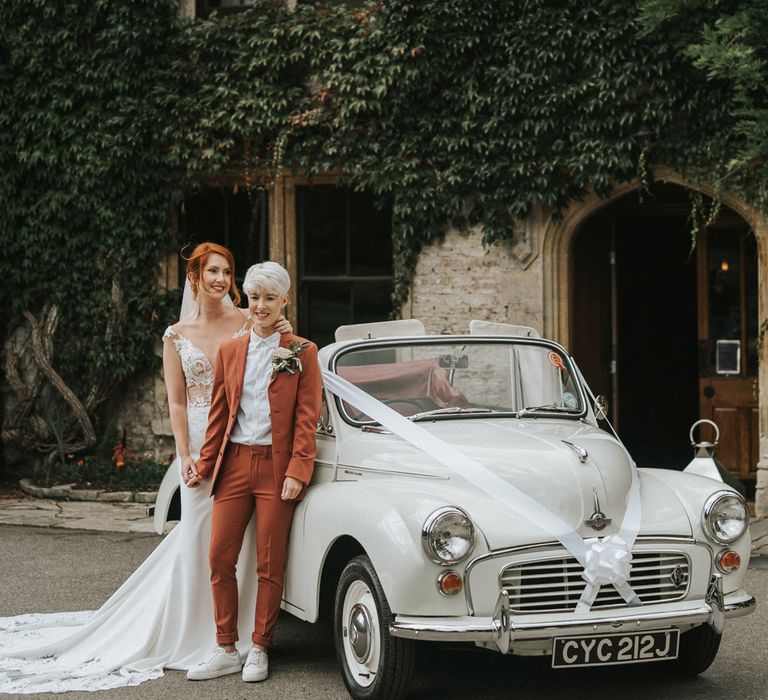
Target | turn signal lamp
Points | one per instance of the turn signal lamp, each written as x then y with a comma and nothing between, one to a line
449,583
728,561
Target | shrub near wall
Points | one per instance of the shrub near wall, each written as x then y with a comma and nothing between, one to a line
109,110
472,112
86,187
463,111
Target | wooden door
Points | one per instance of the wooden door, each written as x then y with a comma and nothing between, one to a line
727,313
634,332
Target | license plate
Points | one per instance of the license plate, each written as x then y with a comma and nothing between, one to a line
617,648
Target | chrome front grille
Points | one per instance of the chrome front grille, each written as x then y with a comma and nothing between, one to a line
551,585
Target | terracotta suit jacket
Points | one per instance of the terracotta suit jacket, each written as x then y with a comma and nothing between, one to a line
294,402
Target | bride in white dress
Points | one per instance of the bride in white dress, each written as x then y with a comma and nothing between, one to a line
162,616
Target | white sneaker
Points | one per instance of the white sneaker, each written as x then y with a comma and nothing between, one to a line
219,663
256,666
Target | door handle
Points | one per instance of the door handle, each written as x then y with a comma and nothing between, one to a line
709,391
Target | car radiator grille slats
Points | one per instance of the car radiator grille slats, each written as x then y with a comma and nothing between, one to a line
556,584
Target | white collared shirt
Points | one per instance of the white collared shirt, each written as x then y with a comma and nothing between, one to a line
254,424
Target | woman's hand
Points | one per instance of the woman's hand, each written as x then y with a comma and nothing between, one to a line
283,325
291,488
189,474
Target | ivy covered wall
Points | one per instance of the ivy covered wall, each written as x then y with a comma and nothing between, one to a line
465,112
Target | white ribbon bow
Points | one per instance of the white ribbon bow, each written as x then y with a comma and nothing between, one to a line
609,561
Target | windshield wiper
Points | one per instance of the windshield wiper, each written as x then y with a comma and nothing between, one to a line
546,407
447,411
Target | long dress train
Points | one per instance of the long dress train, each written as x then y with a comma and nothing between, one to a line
161,617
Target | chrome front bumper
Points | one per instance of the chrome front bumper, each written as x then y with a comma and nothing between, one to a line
500,631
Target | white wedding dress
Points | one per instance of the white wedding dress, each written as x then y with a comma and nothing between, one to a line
161,617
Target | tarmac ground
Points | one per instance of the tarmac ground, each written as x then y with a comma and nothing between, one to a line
44,544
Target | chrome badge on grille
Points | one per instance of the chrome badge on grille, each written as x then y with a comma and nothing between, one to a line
597,521
678,576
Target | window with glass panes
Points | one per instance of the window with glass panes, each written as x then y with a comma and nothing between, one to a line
344,247
238,220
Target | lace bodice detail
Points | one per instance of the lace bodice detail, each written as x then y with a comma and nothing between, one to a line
197,368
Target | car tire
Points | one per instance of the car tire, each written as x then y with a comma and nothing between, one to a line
698,649
374,664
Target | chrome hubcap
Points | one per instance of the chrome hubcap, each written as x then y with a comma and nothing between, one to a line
359,630
361,633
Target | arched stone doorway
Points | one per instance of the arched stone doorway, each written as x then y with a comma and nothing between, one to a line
665,323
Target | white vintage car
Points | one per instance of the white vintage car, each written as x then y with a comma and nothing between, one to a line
464,492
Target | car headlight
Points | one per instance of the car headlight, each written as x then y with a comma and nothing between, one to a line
448,535
725,516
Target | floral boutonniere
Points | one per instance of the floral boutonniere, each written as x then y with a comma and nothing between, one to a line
287,359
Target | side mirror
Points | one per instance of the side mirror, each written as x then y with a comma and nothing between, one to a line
324,426
601,407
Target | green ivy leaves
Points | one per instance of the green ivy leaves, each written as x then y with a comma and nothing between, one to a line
460,111
85,179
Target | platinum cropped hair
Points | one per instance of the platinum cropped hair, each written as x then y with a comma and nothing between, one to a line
268,276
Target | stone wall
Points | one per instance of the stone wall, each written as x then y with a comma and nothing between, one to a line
459,279
142,411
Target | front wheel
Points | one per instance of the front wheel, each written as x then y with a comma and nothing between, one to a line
375,665
698,648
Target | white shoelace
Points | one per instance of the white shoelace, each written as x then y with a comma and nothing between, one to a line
215,655
254,654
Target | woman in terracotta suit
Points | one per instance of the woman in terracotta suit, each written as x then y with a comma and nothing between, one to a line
259,454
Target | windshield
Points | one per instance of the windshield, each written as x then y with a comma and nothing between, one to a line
434,380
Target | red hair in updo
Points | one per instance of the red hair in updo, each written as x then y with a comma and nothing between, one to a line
199,259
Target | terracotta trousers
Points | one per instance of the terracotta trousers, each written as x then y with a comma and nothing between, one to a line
247,482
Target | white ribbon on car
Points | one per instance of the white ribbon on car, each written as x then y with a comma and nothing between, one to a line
606,561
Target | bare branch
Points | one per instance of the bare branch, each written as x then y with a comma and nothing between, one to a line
67,394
